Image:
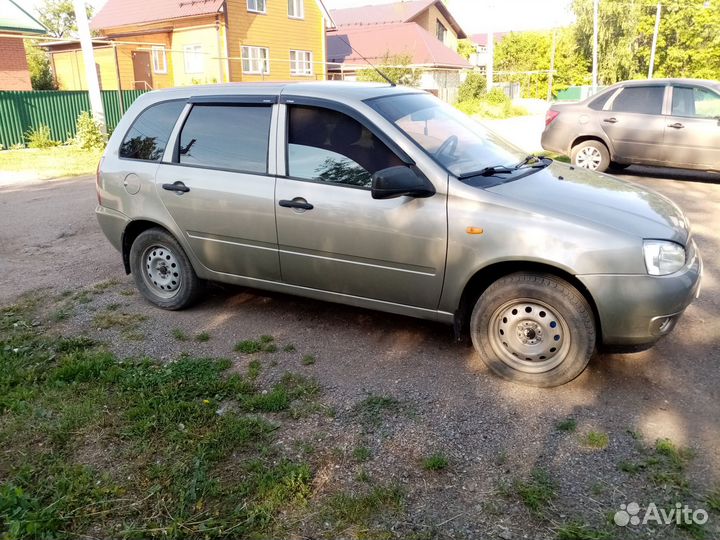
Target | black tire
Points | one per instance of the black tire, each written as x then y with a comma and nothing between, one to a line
601,157
558,316
615,166
162,271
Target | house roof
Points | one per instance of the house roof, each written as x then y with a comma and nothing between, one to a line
117,13
15,19
482,39
397,12
376,42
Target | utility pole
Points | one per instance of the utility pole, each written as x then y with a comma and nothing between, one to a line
596,9
654,41
96,103
491,59
552,65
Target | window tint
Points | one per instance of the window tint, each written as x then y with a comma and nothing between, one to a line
329,146
598,103
227,137
149,134
697,102
640,99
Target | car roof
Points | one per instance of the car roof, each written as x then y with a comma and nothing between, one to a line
663,82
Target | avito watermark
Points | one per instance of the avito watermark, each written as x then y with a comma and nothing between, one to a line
681,514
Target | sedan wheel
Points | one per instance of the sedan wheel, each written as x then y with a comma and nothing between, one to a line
592,155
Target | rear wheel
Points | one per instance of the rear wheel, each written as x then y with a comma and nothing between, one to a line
162,271
535,329
592,155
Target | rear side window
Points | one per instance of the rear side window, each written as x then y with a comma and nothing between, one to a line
598,103
148,136
640,99
234,137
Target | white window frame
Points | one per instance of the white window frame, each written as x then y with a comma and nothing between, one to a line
253,6
298,7
194,51
301,67
257,64
156,49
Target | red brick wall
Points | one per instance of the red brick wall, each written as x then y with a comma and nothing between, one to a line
14,74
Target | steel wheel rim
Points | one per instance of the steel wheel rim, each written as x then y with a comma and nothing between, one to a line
161,271
588,158
529,335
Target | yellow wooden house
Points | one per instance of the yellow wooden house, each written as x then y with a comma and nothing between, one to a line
151,44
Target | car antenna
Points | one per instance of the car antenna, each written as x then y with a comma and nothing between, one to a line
388,79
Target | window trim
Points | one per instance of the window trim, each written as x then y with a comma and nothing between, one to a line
251,10
170,135
242,60
200,54
195,102
438,25
301,3
691,87
311,73
156,49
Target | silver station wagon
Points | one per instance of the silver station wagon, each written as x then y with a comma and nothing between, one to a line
386,198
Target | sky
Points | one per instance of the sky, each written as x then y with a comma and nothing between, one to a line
473,15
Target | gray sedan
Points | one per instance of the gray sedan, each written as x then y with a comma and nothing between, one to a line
663,122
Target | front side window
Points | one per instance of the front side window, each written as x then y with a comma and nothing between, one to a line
256,60
440,31
695,102
451,138
159,59
295,9
301,63
194,60
257,6
231,137
329,146
640,99
148,136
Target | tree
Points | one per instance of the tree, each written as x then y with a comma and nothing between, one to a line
58,16
466,48
397,68
41,76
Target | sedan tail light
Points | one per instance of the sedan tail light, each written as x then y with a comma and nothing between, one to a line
550,116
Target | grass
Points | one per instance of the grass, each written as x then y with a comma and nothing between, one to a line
289,348
596,439
361,454
580,531
435,462
358,509
49,163
202,337
713,500
122,320
536,492
252,346
136,448
568,425
664,466
179,334
308,360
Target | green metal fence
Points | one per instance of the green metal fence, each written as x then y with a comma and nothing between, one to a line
22,111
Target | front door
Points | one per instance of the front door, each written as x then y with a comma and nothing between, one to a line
219,191
634,122
142,75
333,236
692,131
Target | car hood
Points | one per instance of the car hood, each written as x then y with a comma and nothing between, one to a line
602,199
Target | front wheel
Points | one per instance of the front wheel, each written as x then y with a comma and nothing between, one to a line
534,329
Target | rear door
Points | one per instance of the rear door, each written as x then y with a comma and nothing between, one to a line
219,187
692,130
634,122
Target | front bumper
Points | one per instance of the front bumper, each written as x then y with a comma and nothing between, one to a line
637,310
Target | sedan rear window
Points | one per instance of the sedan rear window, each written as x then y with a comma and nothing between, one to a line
148,136
640,99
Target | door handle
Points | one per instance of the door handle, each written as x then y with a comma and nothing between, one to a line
611,120
176,186
676,125
299,203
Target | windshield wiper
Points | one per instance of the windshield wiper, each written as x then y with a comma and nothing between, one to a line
489,171
534,162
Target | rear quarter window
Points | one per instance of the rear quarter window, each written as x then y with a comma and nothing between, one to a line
148,136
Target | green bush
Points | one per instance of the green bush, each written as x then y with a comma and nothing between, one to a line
495,104
497,97
473,88
88,135
40,137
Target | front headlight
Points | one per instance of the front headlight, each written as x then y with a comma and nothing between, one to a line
663,257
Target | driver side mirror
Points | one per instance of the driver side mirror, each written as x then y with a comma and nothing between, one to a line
398,181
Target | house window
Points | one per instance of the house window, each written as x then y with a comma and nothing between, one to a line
159,59
440,31
258,6
256,60
295,9
194,59
301,63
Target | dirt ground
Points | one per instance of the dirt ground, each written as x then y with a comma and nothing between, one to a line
440,398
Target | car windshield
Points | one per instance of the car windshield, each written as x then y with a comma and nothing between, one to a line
453,139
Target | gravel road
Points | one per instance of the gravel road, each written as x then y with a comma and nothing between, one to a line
491,431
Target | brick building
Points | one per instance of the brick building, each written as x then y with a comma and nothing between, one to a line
14,23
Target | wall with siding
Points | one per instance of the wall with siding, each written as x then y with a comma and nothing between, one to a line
428,20
22,111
